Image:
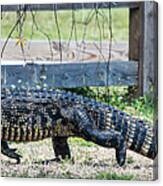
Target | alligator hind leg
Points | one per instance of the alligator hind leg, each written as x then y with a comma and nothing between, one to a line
108,138
9,152
61,147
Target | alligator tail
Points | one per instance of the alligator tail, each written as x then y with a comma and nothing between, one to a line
141,137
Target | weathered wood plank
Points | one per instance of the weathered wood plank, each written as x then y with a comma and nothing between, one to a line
68,6
69,74
149,49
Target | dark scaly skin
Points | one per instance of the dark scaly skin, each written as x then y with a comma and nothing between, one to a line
9,152
61,148
37,114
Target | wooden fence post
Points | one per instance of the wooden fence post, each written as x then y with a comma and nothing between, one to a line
149,57
143,47
143,44
134,44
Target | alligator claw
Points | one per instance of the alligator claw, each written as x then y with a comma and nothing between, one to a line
18,160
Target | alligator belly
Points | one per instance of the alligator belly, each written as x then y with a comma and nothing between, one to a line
27,134
24,134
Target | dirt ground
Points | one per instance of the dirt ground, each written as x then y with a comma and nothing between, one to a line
87,51
89,162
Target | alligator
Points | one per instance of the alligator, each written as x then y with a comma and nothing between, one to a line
36,114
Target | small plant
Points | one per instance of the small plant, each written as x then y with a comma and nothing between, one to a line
130,160
81,142
114,176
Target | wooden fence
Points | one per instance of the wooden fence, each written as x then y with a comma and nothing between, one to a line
140,69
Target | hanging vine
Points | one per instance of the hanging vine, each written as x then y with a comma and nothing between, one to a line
93,24
58,31
109,53
45,34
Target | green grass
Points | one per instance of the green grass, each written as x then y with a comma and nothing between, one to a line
114,176
46,23
130,160
81,142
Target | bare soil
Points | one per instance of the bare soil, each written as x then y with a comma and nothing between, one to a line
86,51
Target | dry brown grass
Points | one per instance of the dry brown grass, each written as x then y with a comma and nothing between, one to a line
89,161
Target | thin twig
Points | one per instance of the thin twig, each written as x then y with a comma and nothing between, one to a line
9,35
110,49
100,35
42,32
71,32
86,22
59,33
31,35
21,23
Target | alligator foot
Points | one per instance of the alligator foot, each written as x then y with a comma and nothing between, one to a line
121,151
61,147
61,150
10,152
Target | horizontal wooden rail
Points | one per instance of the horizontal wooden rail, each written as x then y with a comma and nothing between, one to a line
67,6
68,74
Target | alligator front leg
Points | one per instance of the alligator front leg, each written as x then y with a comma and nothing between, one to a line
61,147
9,152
